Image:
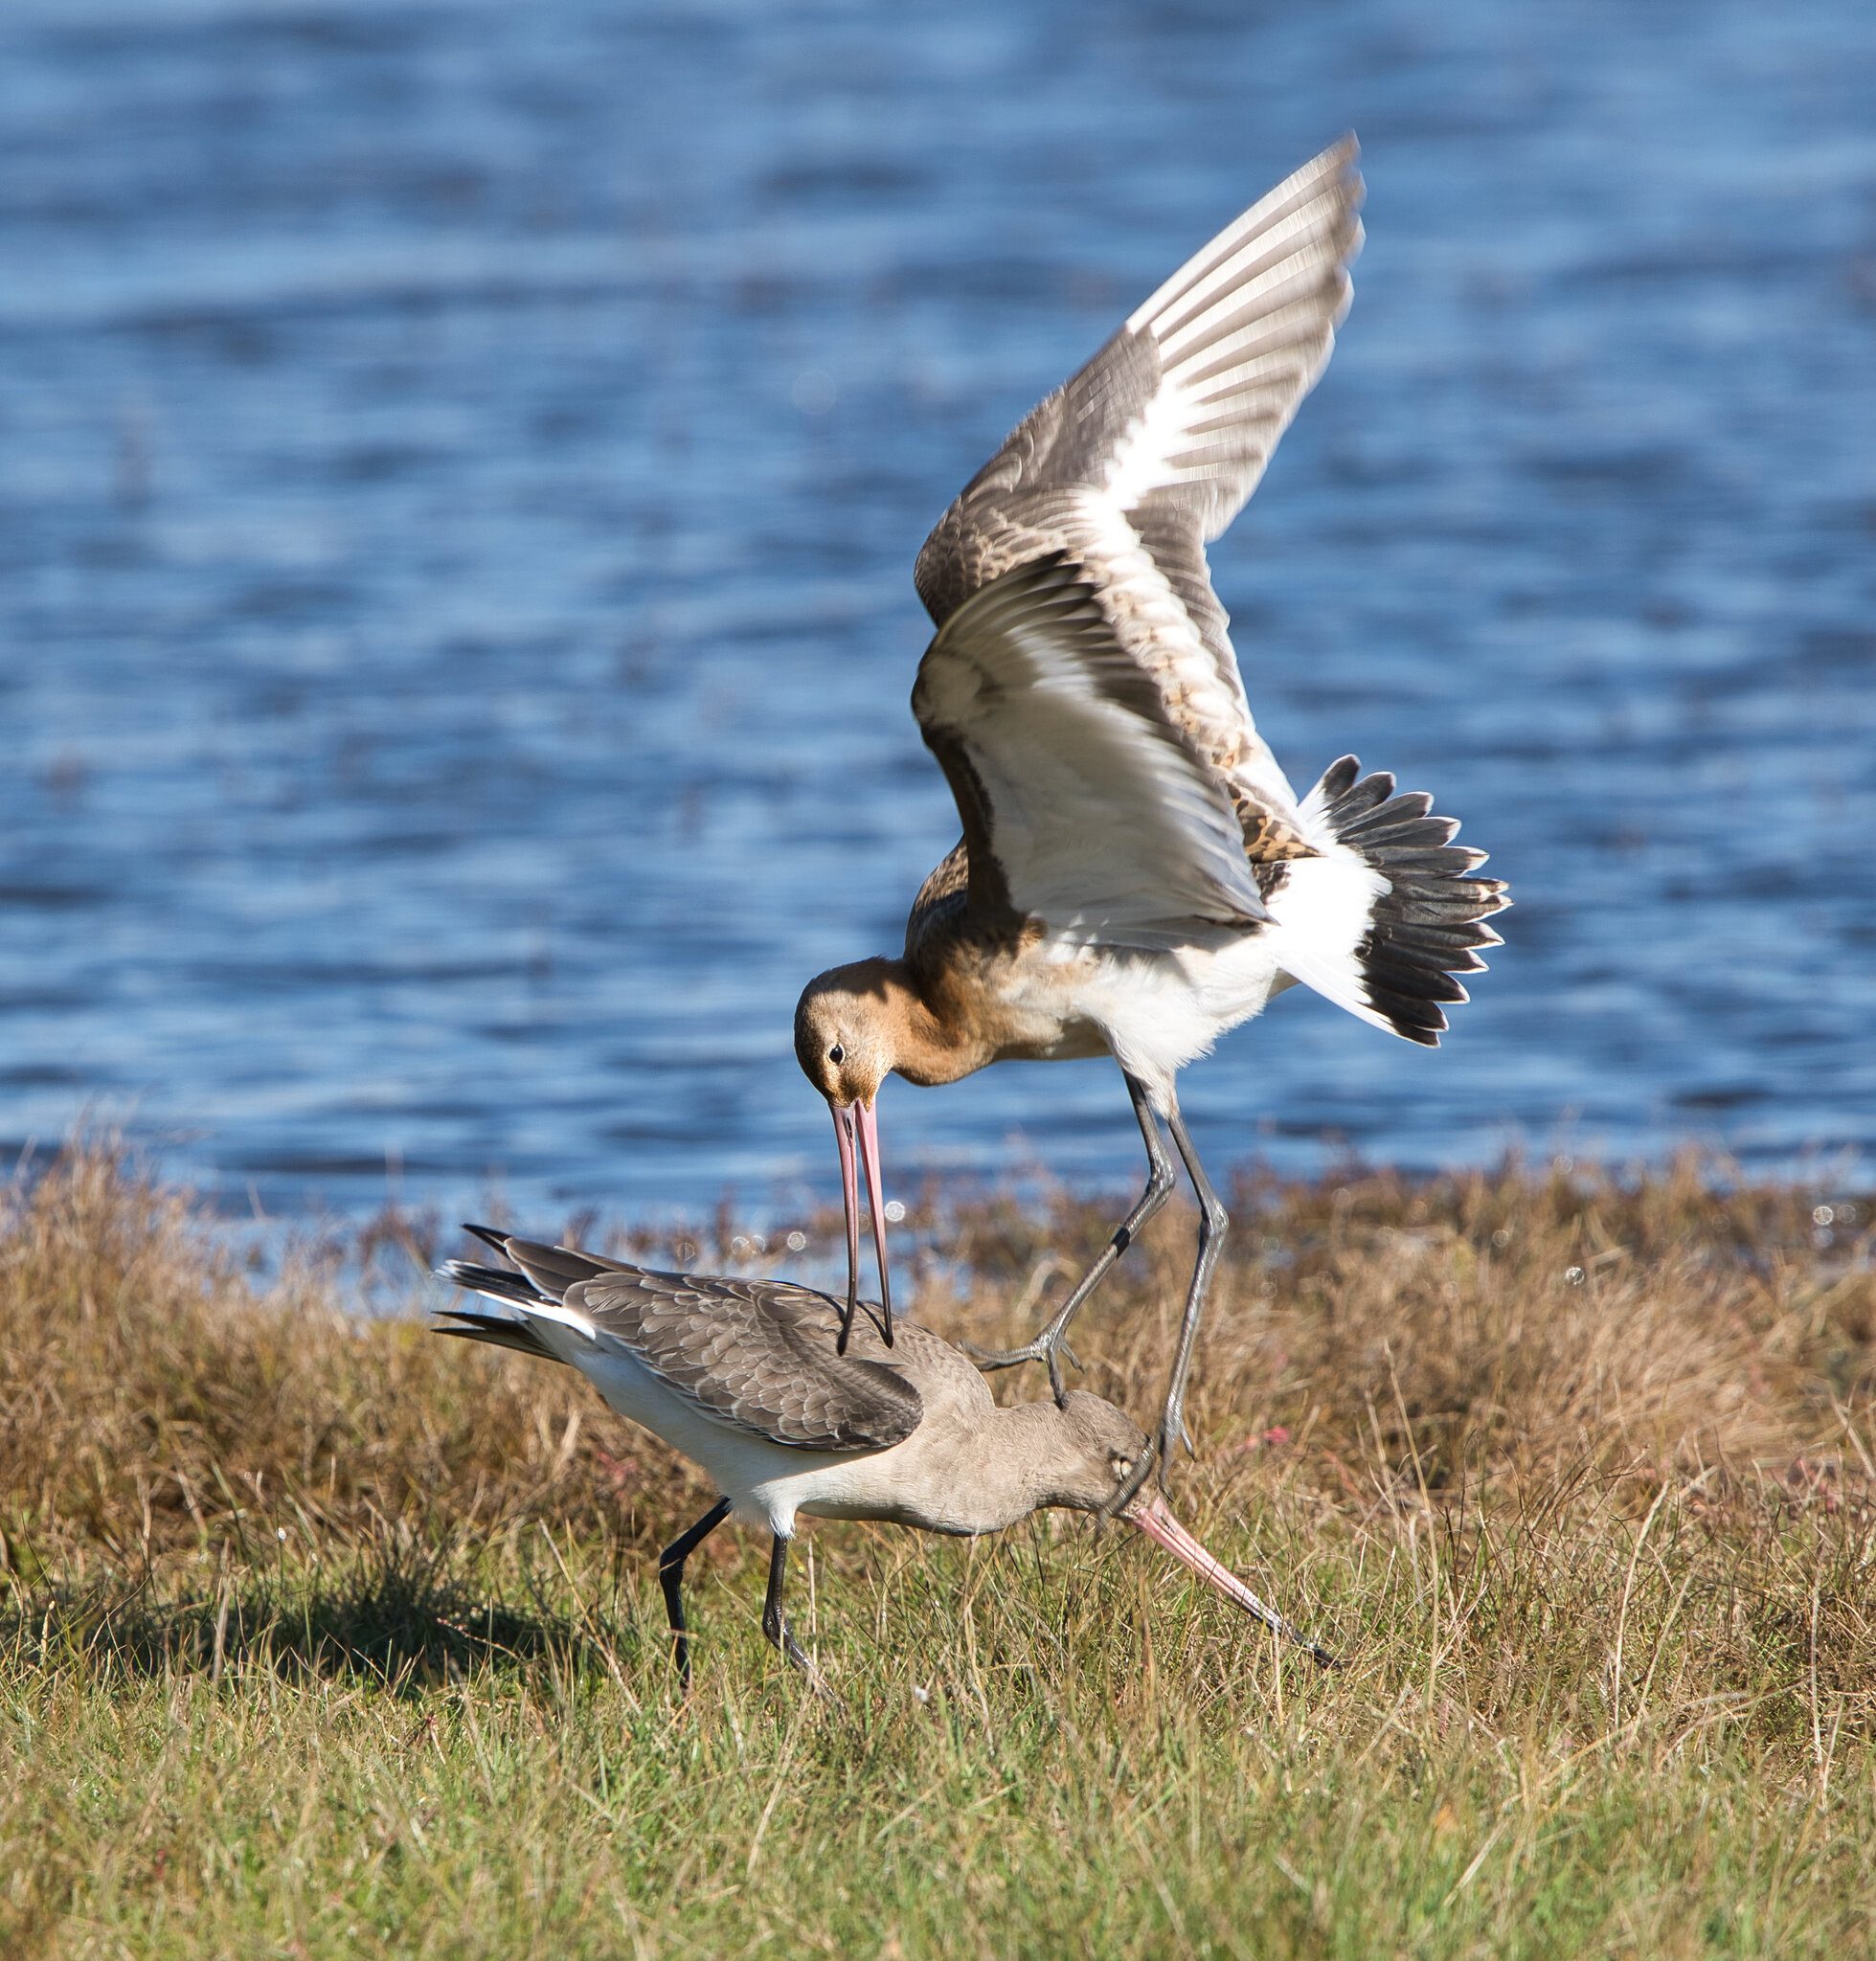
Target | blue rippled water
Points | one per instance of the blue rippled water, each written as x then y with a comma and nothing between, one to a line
460,465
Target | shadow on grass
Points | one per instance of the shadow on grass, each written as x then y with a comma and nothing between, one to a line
399,1620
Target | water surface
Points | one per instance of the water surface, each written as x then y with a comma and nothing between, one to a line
460,465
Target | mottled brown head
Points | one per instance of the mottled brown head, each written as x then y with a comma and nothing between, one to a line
1098,1446
844,1023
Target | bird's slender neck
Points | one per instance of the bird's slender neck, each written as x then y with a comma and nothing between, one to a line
927,1046
1004,1469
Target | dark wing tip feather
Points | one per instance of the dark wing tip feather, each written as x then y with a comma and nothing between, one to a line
517,1336
504,1282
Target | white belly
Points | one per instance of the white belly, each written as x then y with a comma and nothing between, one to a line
1157,1011
766,1484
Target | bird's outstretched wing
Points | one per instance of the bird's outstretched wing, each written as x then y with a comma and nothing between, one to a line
1085,805
1153,449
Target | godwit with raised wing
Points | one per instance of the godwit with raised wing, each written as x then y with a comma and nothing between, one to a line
743,1376
1136,875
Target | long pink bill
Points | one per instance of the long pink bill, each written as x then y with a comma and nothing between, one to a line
850,1200
1152,1515
855,1125
877,1206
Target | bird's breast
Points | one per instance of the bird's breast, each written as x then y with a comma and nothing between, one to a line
1153,1011
1055,1000
1016,1002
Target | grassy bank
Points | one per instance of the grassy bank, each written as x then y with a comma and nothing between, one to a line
321,1637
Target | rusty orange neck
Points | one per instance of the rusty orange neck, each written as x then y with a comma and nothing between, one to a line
928,1045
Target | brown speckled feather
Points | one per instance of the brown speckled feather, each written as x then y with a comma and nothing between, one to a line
941,898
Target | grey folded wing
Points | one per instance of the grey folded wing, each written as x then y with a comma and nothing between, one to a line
755,1354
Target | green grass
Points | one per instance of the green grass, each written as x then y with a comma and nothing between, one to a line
324,1637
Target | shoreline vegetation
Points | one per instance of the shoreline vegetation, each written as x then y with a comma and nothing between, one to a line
321,1637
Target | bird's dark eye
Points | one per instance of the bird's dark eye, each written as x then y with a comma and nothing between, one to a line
837,1054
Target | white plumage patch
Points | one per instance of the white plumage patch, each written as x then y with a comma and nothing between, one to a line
1322,911
543,1311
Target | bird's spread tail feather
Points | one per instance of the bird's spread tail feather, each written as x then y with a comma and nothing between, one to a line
1388,915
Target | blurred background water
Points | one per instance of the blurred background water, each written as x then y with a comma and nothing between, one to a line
460,469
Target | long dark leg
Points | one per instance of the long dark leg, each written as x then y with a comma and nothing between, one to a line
1212,1225
775,1624
1160,1180
671,1577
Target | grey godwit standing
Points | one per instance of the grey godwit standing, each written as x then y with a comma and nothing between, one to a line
742,1377
1136,875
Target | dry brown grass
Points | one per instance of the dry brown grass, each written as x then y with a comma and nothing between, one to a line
1552,1347
1460,1342
1576,1471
